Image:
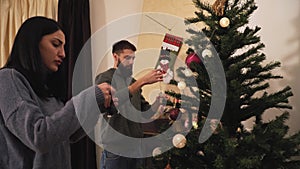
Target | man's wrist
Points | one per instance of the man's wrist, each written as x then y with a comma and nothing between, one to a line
141,83
136,86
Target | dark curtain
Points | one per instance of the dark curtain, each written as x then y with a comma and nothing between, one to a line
74,17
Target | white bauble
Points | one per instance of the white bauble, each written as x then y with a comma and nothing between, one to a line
195,89
224,22
179,141
187,72
206,53
157,151
181,85
201,153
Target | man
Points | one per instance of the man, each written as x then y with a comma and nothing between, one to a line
126,119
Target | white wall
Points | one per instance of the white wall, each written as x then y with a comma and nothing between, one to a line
104,16
280,23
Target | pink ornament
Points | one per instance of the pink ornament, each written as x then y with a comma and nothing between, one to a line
192,57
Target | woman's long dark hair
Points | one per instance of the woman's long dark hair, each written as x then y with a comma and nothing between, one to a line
25,57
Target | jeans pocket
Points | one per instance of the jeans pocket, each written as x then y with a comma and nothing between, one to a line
111,156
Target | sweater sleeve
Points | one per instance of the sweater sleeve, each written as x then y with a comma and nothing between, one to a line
24,118
87,120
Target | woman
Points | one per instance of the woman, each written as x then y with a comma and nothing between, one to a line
36,126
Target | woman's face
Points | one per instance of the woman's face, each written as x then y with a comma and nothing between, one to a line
52,50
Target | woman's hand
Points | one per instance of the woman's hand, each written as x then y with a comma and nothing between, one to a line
116,101
108,93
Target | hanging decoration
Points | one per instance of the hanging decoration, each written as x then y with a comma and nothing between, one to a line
219,7
174,113
224,22
191,57
168,53
215,125
168,166
179,141
195,120
157,151
187,72
238,130
206,53
201,153
181,85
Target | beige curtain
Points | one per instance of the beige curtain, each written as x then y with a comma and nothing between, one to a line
14,12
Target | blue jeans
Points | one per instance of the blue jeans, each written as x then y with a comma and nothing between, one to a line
113,161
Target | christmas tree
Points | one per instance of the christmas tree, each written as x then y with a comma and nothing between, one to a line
247,76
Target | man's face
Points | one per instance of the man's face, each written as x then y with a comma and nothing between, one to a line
125,61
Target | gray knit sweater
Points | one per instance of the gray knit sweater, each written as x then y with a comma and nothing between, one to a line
34,133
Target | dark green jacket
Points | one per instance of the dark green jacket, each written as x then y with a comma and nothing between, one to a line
135,103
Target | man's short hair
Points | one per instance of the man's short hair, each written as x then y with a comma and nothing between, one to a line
119,46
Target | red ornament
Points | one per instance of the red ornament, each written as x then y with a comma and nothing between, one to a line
174,113
192,57
168,166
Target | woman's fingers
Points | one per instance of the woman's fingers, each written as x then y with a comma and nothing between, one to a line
107,91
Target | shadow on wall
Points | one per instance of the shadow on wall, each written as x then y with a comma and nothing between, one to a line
292,73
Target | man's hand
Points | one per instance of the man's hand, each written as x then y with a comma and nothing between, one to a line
151,77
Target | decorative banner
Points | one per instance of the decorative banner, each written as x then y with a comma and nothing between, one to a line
168,54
